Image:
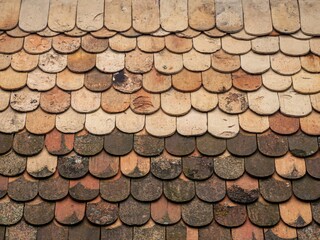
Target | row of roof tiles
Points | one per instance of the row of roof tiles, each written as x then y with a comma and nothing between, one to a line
256,17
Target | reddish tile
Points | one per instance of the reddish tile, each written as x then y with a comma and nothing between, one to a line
165,212
215,232
65,44
143,102
58,143
283,124
55,101
104,165
40,122
247,231
290,167
69,212
21,231
81,61
153,81
280,231
116,231
246,82
3,186
225,62
97,81
52,231
9,44
186,81
84,189
39,212
133,165
24,62
177,44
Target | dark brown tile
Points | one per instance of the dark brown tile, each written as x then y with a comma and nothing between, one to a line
22,188
302,145
84,189
306,188
52,231
246,82
211,190
117,231
2,232
87,144
69,212
147,145
115,189
179,145
179,190
230,214
259,165
214,232
197,168
133,213
101,212
104,165
12,164
146,189
28,144
118,143
197,213
81,61
73,165
97,81
283,124
84,231
21,231
228,167
210,145
263,214
150,231
166,166
275,189
3,186
5,142
272,145
312,231
58,143
53,188
244,144
127,82
315,206
176,232
10,211
39,212
165,212
312,163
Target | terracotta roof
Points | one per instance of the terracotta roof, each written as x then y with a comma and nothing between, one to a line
128,119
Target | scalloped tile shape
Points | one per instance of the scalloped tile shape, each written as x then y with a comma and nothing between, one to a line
117,15
121,43
145,15
177,44
205,44
201,14
12,121
174,15
224,62
12,80
263,101
203,101
290,167
315,45
150,44
70,121
41,81
110,61
306,83
255,63
182,102
154,81
222,125
130,122
193,123
24,62
265,45
42,165
62,15
113,101
90,14
25,100
10,44
52,62
215,81
66,44
229,15
315,100
85,101
5,61
310,63
5,99
100,122
233,101
311,124
9,14
195,61
275,81
138,62
285,65
70,81
294,47
167,62
235,46
160,124
40,122
309,16
252,122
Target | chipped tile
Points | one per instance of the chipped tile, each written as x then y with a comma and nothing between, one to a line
224,62
81,61
229,15
52,62
62,15
233,101
145,15
222,125
255,63
85,101
40,122
117,15
193,123
174,15
65,44
133,165
167,62
121,43
129,121
201,14
290,167
285,65
70,121
110,61
178,44
12,80
214,81
263,101
205,44
138,62
276,82
182,102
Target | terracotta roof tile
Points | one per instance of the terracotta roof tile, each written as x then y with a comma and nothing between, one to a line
165,212
263,214
83,231
193,123
100,122
22,188
309,17
81,61
302,145
24,100
118,143
166,166
205,44
312,164
276,82
68,211
315,101
160,124
304,82
69,81
233,101
12,121
235,46
174,15
113,101
42,165
26,143
252,122
272,144
97,81
58,143
182,100
38,212
294,47
255,63
223,125
294,104
179,190
150,43
203,101
115,189
290,167
121,43
246,231
309,232
52,62
201,14
110,61
94,45
47,32
4,186
214,229
263,45
179,145
246,82
101,212
209,145
167,62
147,145
103,33
197,168
243,35
90,15
87,144
6,77
196,61
66,44
176,231
39,122
215,81
6,142
62,15
11,211
70,121
224,62
178,44
146,189
54,187
129,121
5,99
36,44
41,81
127,82
275,188
259,165
243,190
73,166
21,230
310,63
10,16
84,189
17,32
52,230
103,165
283,124
9,44
314,44
212,190
5,60
197,213
85,101
116,230
306,188
186,81
145,16
117,15
315,208
263,101
229,16
138,62
228,167
12,164
133,165
284,64
244,144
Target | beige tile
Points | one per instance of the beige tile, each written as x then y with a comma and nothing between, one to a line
252,122
5,60
113,101
90,14
203,101
85,101
70,121
145,15
233,101
178,44
34,15
121,43
24,62
174,15
70,81
222,125
117,15
193,123
214,81
36,44
229,15
315,45
275,81
285,65
285,15
110,61
156,82
143,102
41,81
103,33
294,104
52,62
10,44
311,123
255,63
131,33
309,16
100,122
167,62
235,46
47,32
315,100
188,33
310,63
130,122
40,122
5,99
205,44
160,33
215,32
9,14
290,166
182,102
24,100
300,35
186,81
43,162
257,17
263,101
294,47
160,124
304,82
66,44
243,35
12,121
150,44
62,15
265,45
201,14
225,62
12,80
138,62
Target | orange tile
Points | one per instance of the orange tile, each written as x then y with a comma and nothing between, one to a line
81,61
40,122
